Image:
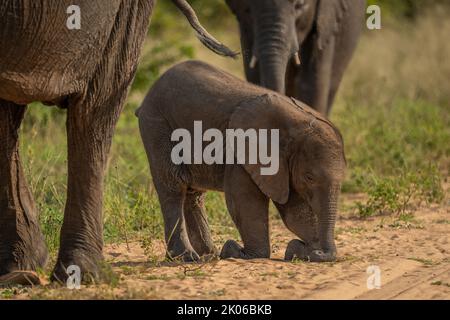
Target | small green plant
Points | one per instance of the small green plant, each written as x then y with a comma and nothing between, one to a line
148,245
194,273
109,276
7,293
218,293
442,221
351,230
440,283
395,195
158,277
426,262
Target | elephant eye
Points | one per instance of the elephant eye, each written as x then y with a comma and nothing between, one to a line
309,178
299,4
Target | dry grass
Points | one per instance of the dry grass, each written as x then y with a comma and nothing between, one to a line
403,60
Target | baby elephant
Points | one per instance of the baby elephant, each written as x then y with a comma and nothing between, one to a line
295,157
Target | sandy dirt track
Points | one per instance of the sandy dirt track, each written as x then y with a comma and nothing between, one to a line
414,259
413,256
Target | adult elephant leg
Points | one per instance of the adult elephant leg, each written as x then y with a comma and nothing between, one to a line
197,223
22,245
314,77
250,213
341,61
345,44
91,118
90,127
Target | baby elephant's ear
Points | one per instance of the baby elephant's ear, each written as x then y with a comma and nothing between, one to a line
261,113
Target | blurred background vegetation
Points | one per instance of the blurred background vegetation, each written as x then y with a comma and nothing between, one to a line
393,110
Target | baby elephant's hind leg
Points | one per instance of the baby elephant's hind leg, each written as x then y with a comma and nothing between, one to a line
197,223
177,239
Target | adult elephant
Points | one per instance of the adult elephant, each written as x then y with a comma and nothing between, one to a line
87,71
277,34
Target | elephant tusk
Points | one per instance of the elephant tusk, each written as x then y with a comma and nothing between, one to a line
253,62
297,60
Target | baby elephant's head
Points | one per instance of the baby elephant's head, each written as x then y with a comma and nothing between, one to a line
311,168
317,168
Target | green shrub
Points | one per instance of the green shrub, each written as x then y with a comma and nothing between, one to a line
397,195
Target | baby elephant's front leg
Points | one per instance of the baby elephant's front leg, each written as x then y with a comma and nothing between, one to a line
297,249
248,207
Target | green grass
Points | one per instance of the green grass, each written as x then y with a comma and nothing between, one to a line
394,113
398,154
403,135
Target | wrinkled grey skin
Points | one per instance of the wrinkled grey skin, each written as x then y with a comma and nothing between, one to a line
87,71
323,32
305,189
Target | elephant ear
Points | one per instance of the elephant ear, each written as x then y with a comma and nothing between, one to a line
330,14
262,113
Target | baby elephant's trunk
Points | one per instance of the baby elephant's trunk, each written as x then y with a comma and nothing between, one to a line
325,207
327,220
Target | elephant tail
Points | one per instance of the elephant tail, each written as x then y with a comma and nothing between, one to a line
203,35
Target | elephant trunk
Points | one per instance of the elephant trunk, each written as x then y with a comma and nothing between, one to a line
327,219
203,35
273,52
316,231
273,72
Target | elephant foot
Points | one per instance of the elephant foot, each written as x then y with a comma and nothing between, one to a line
297,249
209,257
89,265
188,255
18,262
205,250
231,249
20,277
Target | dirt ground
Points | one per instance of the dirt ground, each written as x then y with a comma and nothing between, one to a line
413,257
